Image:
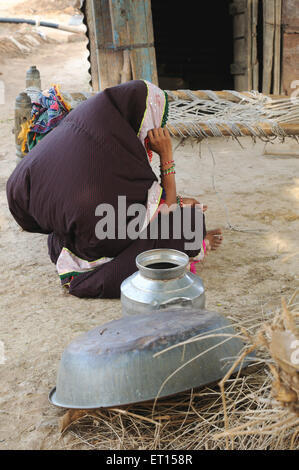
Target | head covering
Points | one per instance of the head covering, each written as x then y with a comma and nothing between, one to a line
155,114
95,154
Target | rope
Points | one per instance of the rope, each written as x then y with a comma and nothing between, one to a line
189,118
229,225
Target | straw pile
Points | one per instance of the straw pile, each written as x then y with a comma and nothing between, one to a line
257,409
22,42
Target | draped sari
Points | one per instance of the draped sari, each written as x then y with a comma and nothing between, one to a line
97,153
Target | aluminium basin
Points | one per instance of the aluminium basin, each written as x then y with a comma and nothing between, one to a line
115,363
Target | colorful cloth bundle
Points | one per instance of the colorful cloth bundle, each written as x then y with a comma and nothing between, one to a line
46,114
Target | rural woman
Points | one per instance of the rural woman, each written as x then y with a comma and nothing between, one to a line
100,151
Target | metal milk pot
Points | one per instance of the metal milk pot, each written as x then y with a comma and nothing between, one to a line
161,282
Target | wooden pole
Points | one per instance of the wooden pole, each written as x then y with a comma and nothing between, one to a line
224,95
254,57
248,40
181,94
277,48
289,129
23,107
269,20
202,95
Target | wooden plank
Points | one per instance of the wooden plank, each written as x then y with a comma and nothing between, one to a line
238,68
154,78
248,43
237,7
277,48
239,26
150,38
103,23
132,28
105,65
143,63
119,19
269,21
111,66
143,59
128,22
149,21
241,68
110,63
254,55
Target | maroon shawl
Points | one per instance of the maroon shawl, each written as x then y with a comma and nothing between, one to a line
93,156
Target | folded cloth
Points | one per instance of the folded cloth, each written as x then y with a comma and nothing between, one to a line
46,113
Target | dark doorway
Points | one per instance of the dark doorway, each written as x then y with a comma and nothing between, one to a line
194,44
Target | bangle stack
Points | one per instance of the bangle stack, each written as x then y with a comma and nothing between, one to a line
168,171
179,200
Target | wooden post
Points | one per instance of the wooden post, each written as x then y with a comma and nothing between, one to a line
254,57
269,21
241,69
248,41
22,115
277,48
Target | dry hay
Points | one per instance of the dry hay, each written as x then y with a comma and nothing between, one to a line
22,43
258,409
44,6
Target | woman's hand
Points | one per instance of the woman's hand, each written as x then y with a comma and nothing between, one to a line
191,201
160,142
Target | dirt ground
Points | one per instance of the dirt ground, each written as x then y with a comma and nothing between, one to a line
251,272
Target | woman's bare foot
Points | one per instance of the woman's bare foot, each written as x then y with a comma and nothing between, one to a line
213,239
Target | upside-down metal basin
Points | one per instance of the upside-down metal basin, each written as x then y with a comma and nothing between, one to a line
123,362
161,282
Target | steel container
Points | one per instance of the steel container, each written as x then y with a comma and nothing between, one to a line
161,282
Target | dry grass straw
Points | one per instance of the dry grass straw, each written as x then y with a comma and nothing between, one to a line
256,409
